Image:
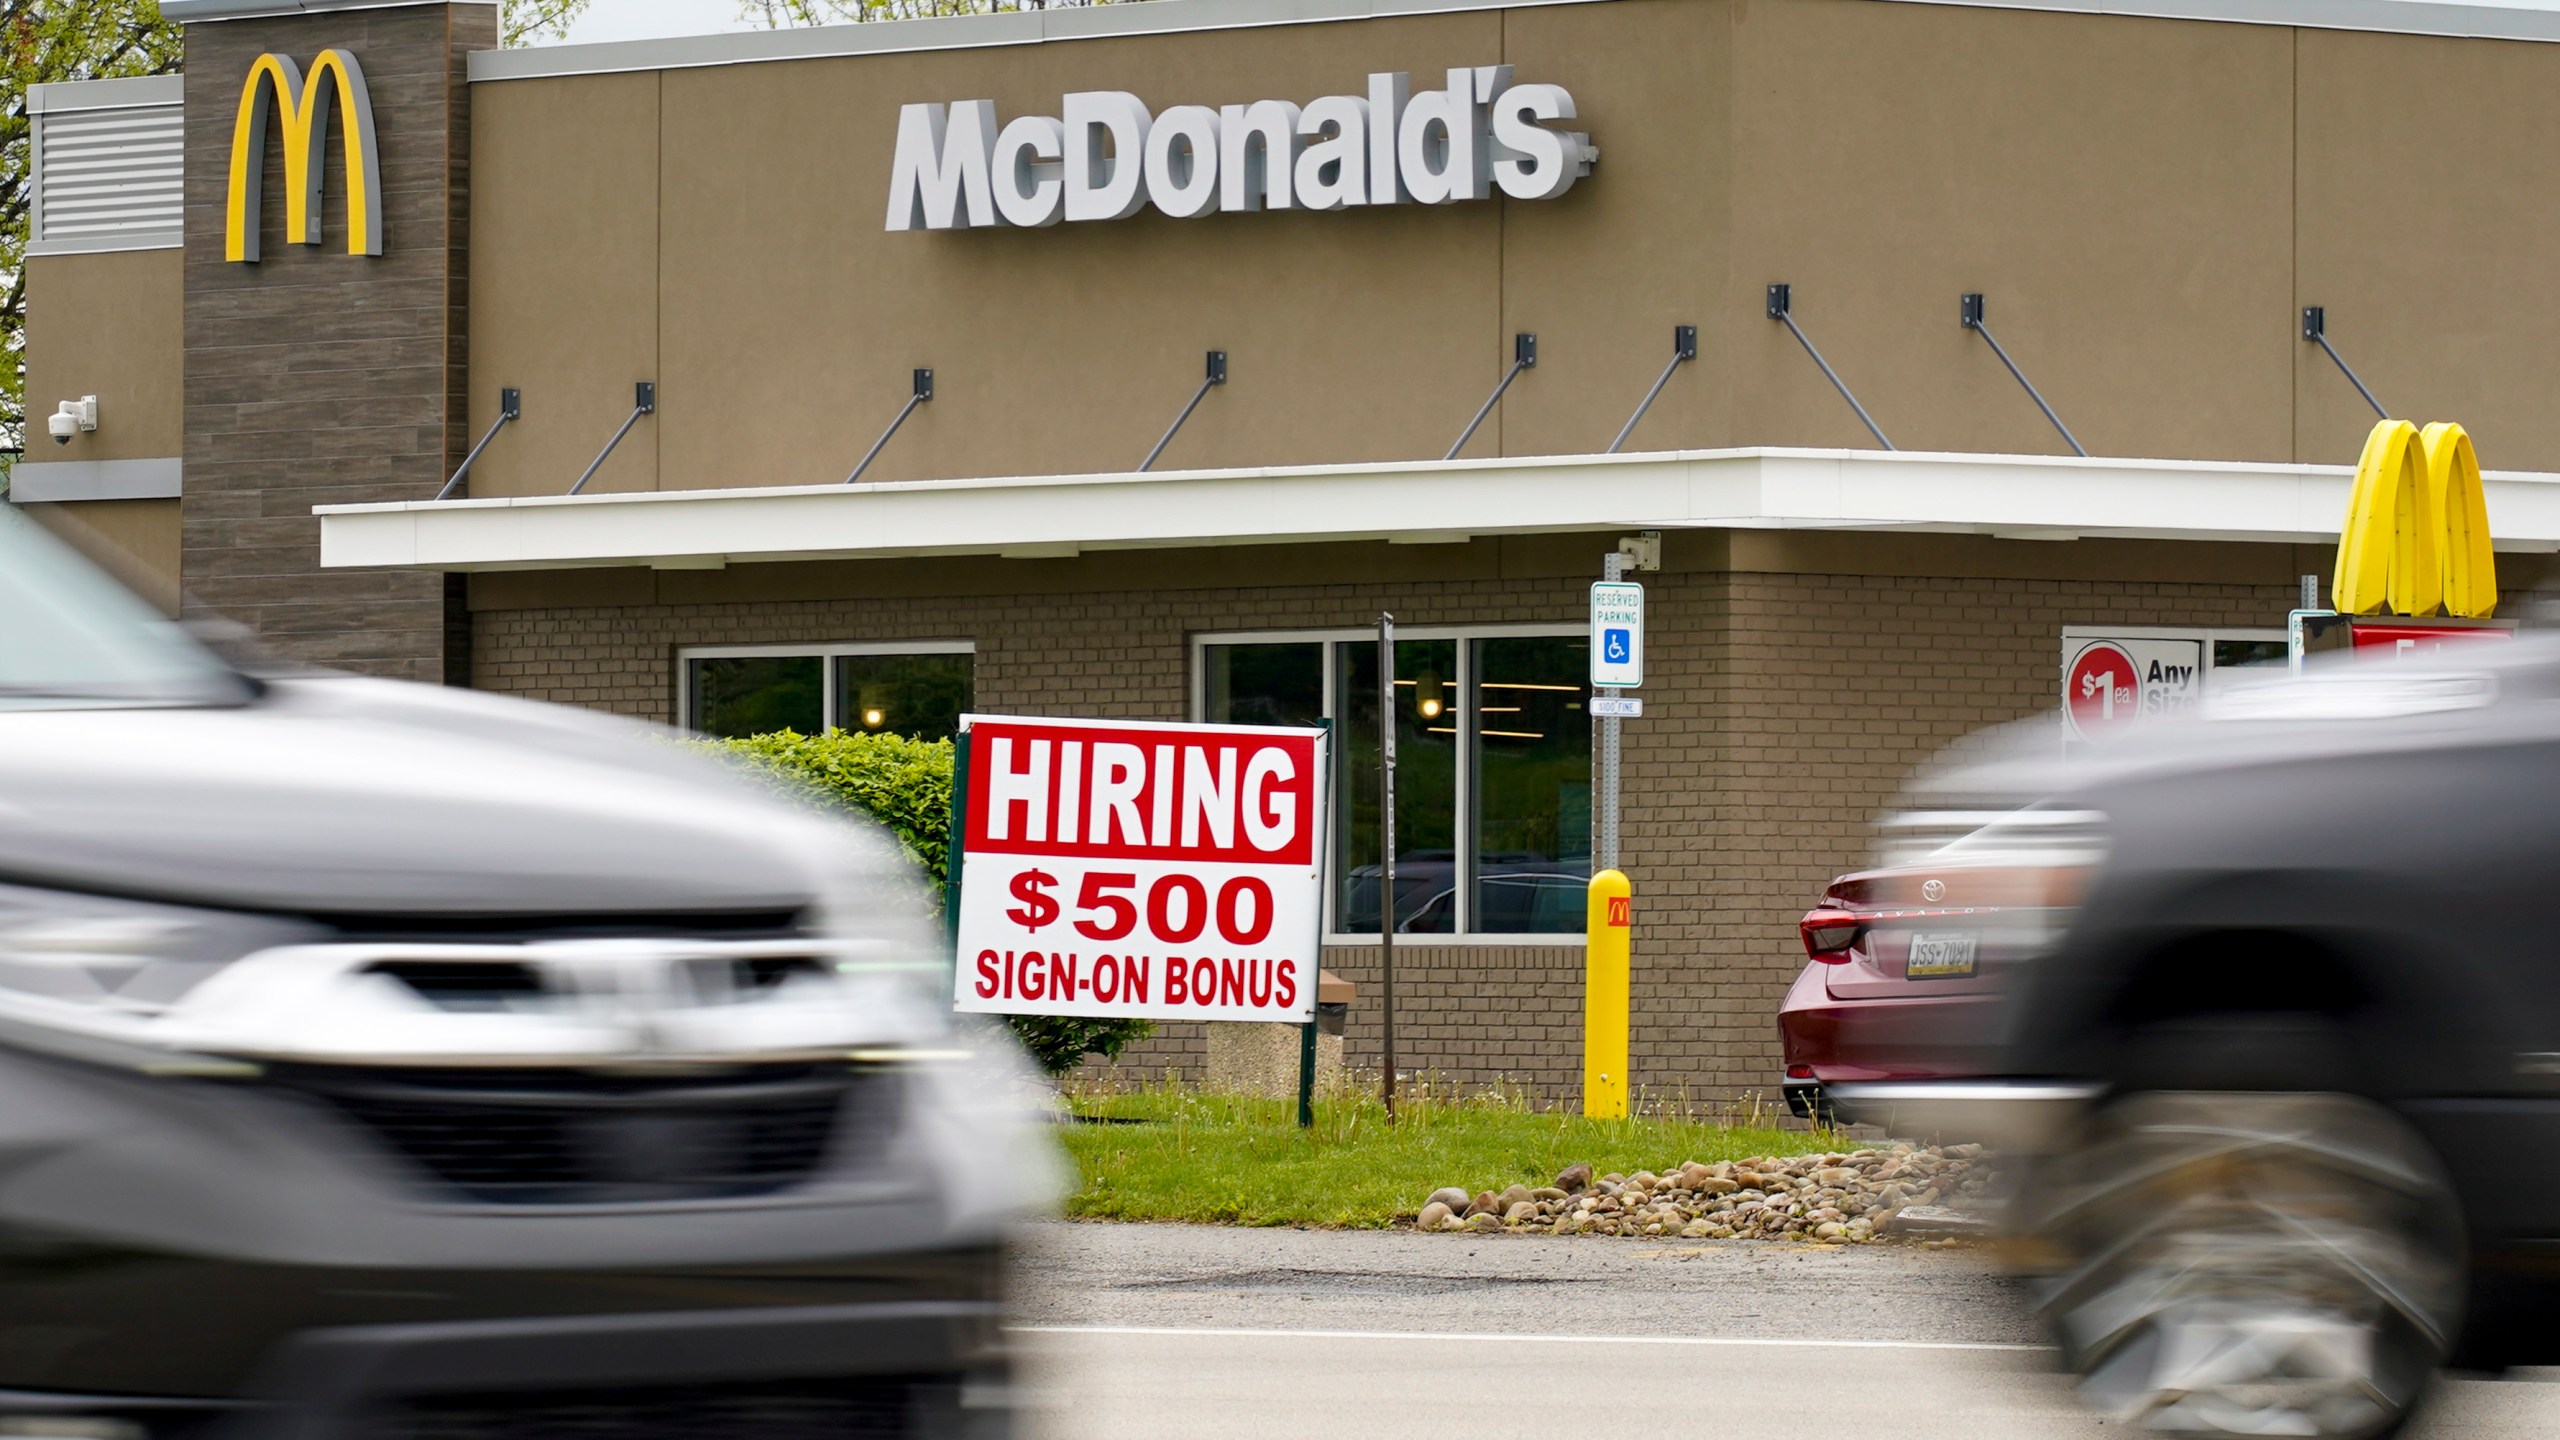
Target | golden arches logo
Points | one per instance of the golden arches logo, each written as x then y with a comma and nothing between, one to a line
2417,529
276,84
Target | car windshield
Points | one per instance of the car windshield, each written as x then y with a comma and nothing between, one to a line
71,638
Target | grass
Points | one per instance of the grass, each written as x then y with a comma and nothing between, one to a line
1224,1159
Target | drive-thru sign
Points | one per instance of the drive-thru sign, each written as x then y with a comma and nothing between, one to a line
1162,872
2113,683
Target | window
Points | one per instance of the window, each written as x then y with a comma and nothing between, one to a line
2230,653
916,689
1493,768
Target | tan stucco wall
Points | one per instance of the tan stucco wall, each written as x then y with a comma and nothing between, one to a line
111,325
785,320
136,541
2146,203
2119,190
108,325
2433,213
564,192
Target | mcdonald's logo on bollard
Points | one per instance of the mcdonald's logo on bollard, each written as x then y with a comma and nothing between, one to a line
276,84
2416,536
1607,915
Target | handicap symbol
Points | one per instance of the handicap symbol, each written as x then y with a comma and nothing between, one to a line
1616,645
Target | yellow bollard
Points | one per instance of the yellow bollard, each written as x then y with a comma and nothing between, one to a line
1609,918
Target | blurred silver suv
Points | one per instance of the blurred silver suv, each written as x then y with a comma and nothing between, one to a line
384,1059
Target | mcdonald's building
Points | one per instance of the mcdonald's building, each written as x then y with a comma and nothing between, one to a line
1131,361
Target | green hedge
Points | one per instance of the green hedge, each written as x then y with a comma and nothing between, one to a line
906,786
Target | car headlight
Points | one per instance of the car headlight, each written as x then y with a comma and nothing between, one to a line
86,974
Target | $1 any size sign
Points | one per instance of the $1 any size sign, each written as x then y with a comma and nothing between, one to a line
1158,872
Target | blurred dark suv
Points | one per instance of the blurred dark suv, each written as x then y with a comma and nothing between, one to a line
2290,1073
392,1060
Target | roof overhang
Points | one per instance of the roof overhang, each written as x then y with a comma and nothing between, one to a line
2014,496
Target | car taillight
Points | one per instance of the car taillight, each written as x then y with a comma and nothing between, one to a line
1829,933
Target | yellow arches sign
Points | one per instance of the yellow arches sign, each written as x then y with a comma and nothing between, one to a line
2417,529
276,83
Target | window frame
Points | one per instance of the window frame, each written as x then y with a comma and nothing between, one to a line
825,652
1464,791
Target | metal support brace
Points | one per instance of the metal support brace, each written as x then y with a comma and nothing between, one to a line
1216,375
2315,328
1782,309
644,401
1684,348
1524,356
510,406
922,392
1972,319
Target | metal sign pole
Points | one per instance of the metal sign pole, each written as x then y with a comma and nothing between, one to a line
955,845
1604,853
1326,860
1387,857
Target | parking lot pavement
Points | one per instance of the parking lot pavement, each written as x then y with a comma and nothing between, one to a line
1140,1332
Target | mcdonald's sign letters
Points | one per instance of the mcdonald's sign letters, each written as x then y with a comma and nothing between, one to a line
277,86
2416,537
1152,871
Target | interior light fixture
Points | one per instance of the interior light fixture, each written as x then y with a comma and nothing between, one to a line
873,719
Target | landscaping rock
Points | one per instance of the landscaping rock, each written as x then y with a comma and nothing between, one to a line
1928,1195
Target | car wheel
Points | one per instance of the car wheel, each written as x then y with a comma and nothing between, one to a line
2250,1263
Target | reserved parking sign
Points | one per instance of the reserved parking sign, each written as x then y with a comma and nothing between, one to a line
1617,635
1144,871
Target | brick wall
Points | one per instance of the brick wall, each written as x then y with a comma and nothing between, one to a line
1783,711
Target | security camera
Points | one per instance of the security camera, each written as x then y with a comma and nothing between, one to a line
72,417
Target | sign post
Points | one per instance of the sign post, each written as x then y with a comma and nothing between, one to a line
1141,871
1617,663
1387,859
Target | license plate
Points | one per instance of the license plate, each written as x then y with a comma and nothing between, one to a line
1940,957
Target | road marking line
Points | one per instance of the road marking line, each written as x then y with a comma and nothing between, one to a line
1738,1341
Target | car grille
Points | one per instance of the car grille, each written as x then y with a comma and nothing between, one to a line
560,1138
855,1409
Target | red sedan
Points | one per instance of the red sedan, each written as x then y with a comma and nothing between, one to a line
1907,964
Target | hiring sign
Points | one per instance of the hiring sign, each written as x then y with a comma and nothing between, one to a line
1146,871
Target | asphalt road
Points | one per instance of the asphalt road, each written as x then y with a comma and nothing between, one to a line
1142,1331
